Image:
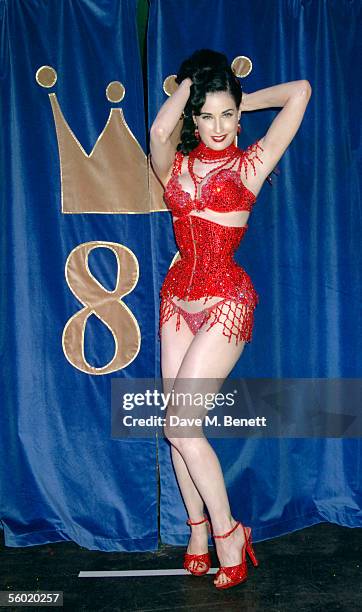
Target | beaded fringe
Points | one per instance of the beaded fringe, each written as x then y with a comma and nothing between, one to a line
238,318
238,321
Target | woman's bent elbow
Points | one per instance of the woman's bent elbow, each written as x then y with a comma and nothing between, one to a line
157,133
305,88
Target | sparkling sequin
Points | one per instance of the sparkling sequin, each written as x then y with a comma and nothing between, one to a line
236,319
223,191
207,267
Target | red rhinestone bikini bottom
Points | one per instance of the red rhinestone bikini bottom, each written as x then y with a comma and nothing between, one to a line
236,319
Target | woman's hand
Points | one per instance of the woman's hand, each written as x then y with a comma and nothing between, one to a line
187,79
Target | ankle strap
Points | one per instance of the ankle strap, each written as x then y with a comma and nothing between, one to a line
204,520
225,535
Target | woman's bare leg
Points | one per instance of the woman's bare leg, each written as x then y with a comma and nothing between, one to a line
174,346
209,356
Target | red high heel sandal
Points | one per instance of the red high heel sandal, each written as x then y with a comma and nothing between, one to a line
237,573
200,559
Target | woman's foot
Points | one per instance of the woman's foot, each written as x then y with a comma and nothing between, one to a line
229,549
198,545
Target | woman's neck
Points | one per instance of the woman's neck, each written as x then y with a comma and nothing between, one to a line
203,152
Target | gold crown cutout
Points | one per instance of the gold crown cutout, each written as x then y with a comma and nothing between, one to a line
116,177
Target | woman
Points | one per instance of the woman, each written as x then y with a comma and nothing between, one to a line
210,186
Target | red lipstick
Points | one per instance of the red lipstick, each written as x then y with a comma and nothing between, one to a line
218,138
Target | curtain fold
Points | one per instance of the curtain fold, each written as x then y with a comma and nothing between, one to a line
82,262
302,249
75,227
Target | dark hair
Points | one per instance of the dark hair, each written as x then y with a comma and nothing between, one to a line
209,71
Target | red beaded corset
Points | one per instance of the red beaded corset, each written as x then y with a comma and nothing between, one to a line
207,267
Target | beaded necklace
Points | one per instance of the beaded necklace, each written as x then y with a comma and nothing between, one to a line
209,156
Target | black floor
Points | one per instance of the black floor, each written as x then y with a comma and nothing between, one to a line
318,568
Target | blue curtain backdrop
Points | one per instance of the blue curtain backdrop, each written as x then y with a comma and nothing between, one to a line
62,475
302,249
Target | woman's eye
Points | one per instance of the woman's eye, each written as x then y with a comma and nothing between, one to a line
226,115
209,116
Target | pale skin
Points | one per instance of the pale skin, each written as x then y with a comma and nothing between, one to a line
208,355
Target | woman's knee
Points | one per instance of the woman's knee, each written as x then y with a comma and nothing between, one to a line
172,437
181,437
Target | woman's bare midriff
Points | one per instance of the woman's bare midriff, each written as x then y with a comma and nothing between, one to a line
230,219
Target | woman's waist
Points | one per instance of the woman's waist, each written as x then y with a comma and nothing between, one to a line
210,269
193,283
209,259
202,263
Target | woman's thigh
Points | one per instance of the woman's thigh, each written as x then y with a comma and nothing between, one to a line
174,346
211,353
208,354
206,363
175,343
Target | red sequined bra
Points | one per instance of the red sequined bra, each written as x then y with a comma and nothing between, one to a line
223,191
207,267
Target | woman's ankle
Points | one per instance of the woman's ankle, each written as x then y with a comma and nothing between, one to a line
222,525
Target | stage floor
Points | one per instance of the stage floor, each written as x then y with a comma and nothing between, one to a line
314,569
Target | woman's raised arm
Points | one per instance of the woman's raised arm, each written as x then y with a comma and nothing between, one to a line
293,97
162,149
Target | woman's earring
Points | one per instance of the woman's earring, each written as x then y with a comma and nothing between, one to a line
197,134
239,128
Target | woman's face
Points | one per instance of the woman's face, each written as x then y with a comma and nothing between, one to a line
219,116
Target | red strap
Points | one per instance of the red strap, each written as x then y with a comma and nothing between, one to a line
204,520
225,535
